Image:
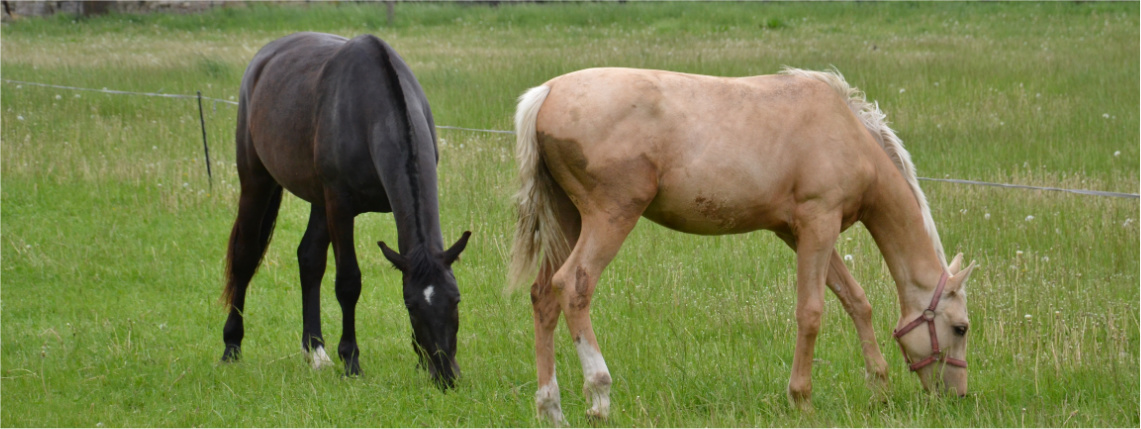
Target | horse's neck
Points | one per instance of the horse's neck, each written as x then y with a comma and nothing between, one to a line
415,206
896,223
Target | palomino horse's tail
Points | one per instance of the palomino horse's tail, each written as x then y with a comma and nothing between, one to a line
875,120
537,231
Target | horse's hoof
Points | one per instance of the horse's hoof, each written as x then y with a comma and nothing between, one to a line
595,418
802,403
352,369
553,416
317,358
232,354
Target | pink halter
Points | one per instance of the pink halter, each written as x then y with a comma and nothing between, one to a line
928,316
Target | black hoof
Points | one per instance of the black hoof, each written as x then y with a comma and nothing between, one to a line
352,369
232,354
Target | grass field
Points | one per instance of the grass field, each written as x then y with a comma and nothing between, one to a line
112,240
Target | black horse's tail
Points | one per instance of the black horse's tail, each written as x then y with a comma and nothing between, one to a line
263,233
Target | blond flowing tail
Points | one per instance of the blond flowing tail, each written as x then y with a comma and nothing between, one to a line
875,120
537,232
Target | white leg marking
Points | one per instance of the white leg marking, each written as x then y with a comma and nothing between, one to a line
317,358
596,379
428,292
548,402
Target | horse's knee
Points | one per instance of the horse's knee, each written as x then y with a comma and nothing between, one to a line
348,285
861,309
808,318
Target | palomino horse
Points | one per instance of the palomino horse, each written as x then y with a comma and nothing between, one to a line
801,154
345,126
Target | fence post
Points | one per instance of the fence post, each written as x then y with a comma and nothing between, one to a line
205,147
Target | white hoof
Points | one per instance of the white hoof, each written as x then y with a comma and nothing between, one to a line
317,358
549,404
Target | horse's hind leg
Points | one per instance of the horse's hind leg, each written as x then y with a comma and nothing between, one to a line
312,256
603,232
855,303
546,306
257,212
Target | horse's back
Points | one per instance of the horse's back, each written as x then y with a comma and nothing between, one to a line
728,154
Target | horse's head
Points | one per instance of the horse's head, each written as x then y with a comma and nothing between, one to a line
940,362
432,298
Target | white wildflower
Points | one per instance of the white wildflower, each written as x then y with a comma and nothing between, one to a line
59,97
1105,115
1029,218
986,216
1028,317
19,117
848,258
901,90
1045,259
1018,253
1116,153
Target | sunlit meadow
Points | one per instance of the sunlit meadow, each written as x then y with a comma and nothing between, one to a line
112,237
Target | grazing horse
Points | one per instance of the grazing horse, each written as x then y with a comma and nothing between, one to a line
802,154
343,125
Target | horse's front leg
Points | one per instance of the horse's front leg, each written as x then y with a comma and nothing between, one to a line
348,282
815,238
856,304
312,256
601,237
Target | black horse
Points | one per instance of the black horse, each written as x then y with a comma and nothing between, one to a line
344,125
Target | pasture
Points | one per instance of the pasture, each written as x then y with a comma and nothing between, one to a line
113,239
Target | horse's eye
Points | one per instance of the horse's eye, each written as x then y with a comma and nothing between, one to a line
961,330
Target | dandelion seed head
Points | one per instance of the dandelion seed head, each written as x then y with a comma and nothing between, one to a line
60,97
1116,153
1029,218
848,258
986,216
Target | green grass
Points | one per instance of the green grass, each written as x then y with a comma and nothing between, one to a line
111,239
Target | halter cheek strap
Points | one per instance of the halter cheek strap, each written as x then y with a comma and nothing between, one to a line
928,317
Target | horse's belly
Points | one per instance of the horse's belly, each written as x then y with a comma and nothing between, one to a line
710,212
294,172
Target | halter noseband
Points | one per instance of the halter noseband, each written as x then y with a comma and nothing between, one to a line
928,316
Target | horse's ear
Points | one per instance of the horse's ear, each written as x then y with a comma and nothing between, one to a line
453,253
959,280
956,264
395,258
